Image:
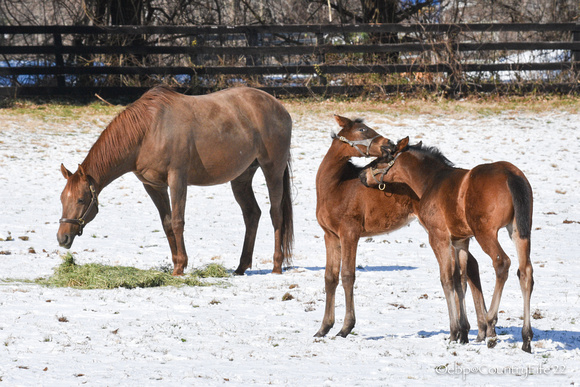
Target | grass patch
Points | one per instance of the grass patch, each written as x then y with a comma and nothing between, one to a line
97,276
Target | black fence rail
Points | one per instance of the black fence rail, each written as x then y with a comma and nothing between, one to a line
289,59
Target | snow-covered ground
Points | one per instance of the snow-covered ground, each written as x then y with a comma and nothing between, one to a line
244,333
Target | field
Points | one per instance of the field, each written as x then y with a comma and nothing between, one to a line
258,329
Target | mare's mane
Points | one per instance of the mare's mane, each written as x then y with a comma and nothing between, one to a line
431,151
127,129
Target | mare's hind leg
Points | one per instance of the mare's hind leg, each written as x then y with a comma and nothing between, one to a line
161,200
478,301
501,264
331,273
526,276
274,175
244,195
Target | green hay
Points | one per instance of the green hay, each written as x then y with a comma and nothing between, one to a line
97,276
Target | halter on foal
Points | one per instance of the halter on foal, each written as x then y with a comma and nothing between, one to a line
457,204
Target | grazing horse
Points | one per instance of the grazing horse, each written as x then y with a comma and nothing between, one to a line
457,204
169,140
347,210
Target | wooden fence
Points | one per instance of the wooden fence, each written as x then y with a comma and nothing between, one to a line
289,59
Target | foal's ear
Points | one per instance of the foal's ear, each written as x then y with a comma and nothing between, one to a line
402,144
65,172
342,121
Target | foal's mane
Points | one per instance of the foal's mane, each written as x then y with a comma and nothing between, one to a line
431,151
127,129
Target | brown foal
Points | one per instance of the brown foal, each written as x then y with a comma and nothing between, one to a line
457,204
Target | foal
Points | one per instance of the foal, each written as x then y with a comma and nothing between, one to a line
457,204
346,210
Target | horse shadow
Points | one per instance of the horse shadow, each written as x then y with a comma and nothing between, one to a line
564,340
319,268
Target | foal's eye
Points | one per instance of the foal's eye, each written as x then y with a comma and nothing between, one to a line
362,130
81,201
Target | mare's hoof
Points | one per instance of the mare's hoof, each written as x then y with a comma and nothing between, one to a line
491,342
480,337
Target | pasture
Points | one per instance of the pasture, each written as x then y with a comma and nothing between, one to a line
258,328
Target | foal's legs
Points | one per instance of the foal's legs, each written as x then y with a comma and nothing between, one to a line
460,281
525,274
443,252
349,244
161,200
501,263
330,281
478,301
244,195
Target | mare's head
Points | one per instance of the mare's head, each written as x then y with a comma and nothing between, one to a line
374,174
79,205
363,140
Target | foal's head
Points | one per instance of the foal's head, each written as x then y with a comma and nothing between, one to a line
79,205
374,174
363,140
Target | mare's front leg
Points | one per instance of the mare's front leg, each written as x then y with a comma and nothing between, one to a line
161,200
331,273
349,243
178,188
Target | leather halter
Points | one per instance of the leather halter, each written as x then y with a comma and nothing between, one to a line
81,221
382,172
367,143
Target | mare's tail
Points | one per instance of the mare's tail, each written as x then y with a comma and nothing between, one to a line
287,216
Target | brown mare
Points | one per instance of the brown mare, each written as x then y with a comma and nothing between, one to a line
169,140
457,204
347,210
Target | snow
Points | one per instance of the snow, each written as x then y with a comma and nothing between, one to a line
242,332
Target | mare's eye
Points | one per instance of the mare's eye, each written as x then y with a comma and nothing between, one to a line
362,130
81,201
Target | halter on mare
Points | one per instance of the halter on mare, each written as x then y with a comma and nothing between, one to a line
81,220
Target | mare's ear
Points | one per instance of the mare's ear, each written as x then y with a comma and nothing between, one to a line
65,172
81,171
343,122
402,144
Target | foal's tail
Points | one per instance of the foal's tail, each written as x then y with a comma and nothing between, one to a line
523,203
287,216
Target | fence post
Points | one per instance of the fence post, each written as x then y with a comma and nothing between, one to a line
454,60
321,58
576,53
57,40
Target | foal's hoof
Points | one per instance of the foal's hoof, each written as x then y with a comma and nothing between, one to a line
491,342
527,347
